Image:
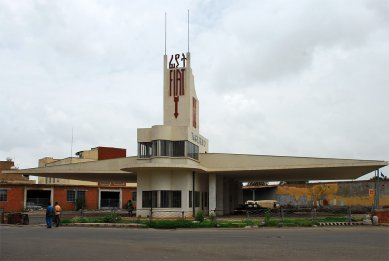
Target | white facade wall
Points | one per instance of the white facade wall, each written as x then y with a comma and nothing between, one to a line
181,180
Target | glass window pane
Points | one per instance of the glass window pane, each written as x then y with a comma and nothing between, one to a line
146,199
144,149
165,196
165,148
176,199
3,195
155,148
179,148
197,199
81,194
71,196
193,150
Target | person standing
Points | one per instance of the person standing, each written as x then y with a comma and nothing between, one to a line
57,210
49,215
130,208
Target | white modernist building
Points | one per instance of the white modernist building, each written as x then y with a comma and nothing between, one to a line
174,171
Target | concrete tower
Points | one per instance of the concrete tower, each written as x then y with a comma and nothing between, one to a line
179,135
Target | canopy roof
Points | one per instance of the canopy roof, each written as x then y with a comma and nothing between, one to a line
237,166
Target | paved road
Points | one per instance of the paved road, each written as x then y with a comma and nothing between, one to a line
71,243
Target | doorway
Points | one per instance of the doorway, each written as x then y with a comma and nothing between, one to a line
37,199
110,199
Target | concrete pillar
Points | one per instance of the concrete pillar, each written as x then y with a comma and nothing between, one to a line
220,195
212,193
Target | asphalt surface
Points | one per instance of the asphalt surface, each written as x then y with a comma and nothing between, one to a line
71,243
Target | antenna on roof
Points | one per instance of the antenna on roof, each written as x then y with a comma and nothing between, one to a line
71,148
165,33
188,30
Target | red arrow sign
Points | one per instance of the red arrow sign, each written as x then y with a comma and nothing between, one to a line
176,99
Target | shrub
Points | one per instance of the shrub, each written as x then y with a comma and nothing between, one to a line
200,216
78,219
80,203
212,217
267,216
249,222
112,218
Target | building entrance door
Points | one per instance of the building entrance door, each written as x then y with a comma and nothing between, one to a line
110,199
37,199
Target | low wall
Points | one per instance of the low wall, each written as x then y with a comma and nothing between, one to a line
383,215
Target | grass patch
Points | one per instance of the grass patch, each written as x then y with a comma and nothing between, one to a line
289,223
170,224
335,219
209,223
111,218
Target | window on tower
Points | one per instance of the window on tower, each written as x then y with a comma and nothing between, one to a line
193,150
144,149
167,148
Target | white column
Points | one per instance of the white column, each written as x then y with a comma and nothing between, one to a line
220,195
212,193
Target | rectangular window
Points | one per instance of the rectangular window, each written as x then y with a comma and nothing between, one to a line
146,199
134,196
178,148
149,197
166,148
145,149
170,199
176,203
80,195
165,198
193,150
3,195
196,199
71,196
155,148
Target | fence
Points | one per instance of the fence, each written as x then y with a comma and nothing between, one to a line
164,214
346,214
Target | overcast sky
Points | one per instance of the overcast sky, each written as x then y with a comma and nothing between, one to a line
294,78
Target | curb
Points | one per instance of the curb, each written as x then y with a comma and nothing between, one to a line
340,223
117,225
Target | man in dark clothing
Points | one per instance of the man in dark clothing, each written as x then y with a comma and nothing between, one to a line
130,208
49,215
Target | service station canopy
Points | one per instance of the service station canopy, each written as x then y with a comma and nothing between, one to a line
237,166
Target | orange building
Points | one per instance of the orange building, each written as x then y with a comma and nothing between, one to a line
17,197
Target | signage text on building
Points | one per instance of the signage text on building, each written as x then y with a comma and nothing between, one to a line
177,79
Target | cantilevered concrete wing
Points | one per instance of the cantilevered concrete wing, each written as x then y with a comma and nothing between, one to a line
275,168
102,170
237,166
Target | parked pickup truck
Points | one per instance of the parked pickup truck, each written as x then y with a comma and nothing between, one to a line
256,204
270,203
